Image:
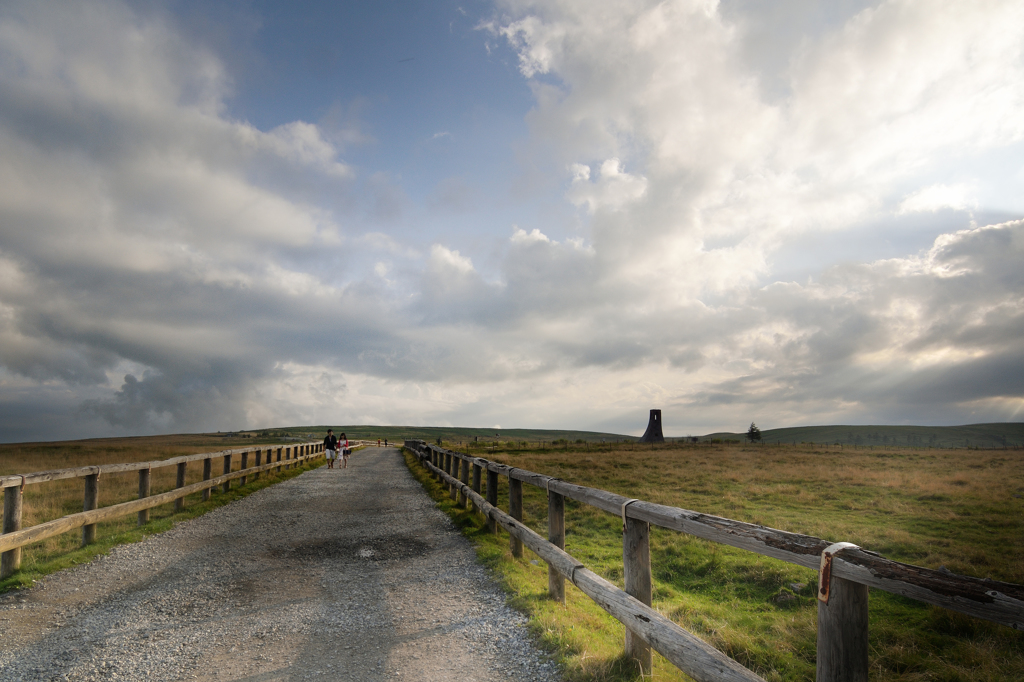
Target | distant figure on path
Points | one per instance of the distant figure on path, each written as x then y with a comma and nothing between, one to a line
378,442
331,448
345,450
385,442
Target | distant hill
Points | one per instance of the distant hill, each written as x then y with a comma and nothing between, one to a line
450,433
971,435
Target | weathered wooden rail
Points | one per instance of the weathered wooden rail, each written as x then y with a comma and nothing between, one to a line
842,651
14,537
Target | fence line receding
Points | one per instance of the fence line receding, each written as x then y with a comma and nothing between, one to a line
845,571
14,537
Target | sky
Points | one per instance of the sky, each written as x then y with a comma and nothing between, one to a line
234,214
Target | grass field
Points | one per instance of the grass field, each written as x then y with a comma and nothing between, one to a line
1001,435
955,508
1009,434
47,501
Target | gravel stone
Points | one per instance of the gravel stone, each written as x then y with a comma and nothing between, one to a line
343,574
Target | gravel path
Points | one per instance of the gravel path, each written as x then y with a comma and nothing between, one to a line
345,574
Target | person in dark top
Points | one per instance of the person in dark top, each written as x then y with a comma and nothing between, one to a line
331,448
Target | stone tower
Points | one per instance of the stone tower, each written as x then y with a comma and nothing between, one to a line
653,433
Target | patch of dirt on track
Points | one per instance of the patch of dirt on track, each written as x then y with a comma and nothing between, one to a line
343,574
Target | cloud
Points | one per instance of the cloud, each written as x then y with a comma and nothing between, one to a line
164,267
139,224
667,91
930,199
910,335
613,190
447,263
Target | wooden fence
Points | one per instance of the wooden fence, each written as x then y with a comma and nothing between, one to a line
845,571
14,537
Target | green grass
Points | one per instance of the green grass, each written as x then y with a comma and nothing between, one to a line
957,509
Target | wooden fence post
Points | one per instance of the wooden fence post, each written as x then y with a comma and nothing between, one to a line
227,470
636,562
144,490
207,471
92,497
245,465
453,469
463,478
179,504
476,484
492,498
279,460
515,510
259,461
843,633
556,536
10,561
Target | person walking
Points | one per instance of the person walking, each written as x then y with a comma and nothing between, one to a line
345,450
331,448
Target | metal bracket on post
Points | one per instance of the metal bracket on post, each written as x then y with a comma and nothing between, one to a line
572,575
624,505
547,484
825,570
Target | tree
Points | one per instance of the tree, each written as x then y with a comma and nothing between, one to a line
753,433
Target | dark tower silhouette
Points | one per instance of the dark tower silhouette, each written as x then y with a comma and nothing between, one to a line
653,433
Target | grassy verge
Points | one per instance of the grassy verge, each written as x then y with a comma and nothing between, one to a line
64,551
958,509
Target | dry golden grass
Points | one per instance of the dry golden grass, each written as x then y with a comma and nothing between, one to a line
962,509
924,506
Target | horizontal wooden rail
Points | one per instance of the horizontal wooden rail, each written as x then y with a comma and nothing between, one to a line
689,653
995,601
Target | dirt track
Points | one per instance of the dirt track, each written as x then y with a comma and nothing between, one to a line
345,574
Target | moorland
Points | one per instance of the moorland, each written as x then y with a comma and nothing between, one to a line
961,510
